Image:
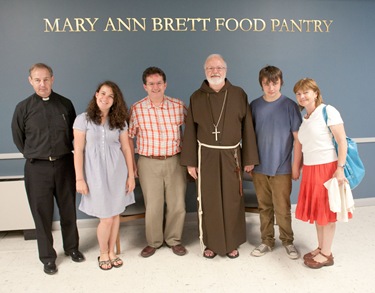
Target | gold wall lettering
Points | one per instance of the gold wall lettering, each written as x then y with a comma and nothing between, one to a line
75,25
301,25
130,25
245,24
180,24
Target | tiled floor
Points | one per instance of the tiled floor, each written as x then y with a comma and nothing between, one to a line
354,246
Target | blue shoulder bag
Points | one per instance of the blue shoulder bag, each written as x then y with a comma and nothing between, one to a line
354,169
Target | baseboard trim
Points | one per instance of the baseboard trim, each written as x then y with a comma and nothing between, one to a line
363,202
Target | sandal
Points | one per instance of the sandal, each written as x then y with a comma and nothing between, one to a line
231,255
104,265
116,262
209,255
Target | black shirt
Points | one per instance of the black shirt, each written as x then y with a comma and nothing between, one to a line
44,128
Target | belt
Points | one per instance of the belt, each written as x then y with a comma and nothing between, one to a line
159,157
51,159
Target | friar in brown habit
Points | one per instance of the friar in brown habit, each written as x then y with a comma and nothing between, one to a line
219,139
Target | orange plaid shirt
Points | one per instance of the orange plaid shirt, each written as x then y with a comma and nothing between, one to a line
158,129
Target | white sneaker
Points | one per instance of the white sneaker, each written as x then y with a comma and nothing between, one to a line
261,250
292,251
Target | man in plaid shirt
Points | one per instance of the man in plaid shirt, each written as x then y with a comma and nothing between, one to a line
156,121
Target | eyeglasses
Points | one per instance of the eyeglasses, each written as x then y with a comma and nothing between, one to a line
218,68
160,83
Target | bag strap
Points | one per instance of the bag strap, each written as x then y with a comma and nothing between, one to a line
325,116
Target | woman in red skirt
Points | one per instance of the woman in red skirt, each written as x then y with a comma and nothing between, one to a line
320,163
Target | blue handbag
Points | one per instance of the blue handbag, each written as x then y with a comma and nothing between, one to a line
354,169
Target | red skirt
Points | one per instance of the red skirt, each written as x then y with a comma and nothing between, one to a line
313,204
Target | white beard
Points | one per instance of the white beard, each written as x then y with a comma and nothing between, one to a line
216,80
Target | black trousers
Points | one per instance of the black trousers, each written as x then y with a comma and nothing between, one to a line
44,181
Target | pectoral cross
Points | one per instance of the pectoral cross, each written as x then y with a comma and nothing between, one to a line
216,132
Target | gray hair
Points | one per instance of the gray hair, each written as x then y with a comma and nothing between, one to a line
40,66
214,56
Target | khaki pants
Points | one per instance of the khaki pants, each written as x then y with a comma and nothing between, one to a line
273,194
163,184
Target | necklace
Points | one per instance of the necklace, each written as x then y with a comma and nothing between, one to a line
307,116
221,113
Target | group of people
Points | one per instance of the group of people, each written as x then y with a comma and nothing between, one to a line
215,139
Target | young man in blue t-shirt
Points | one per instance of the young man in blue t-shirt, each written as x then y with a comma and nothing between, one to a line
276,121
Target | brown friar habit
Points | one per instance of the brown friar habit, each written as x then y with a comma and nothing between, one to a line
223,219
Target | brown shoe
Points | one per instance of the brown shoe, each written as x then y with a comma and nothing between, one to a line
311,255
179,250
313,264
148,251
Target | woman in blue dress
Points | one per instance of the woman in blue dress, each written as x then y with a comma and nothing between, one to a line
104,166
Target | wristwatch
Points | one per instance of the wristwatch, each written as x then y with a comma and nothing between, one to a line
342,166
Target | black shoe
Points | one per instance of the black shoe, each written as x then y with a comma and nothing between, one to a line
50,268
76,255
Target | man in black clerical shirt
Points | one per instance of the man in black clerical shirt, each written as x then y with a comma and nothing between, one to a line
42,131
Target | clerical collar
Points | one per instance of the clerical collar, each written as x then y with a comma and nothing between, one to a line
45,99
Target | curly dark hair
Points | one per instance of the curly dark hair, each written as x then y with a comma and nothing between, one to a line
118,112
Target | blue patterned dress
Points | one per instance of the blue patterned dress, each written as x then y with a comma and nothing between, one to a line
105,170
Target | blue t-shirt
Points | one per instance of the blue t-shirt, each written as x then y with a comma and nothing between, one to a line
274,124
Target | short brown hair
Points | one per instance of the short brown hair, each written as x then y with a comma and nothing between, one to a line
270,73
153,70
309,84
